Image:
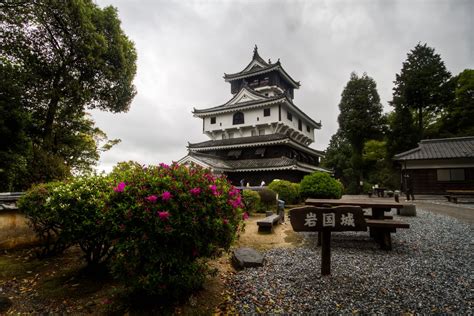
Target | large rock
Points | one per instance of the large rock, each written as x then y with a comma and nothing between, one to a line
5,303
408,210
246,257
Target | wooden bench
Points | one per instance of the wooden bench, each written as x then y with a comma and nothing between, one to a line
454,195
266,224
381,229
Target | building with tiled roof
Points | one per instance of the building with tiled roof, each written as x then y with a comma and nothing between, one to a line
437,165
259,133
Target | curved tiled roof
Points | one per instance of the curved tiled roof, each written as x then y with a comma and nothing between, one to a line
445,148
281,163
240,140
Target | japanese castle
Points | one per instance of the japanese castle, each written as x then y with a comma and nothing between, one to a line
259,134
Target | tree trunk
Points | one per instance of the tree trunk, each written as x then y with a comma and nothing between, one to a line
420,121
48,123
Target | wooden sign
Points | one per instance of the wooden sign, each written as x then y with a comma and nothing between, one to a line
342,218
325,220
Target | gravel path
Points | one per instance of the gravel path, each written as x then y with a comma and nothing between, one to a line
428,271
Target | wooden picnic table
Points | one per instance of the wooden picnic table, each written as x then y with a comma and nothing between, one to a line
380,226
453,195
379,207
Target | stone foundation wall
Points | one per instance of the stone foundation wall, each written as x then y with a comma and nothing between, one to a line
15,231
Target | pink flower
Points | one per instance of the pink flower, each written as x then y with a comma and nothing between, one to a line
195,191
120,187
163,215
151,198
165,196
236,203
214,189
164,166
234,191
225,221
245,216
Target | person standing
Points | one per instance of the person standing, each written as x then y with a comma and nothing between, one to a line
410,192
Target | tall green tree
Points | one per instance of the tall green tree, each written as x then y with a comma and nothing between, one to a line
72,56
360,120
458,117
360,117
420,86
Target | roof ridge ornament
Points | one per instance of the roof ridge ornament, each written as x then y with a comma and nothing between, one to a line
255,52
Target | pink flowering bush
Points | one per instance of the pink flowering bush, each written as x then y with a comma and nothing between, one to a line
169,219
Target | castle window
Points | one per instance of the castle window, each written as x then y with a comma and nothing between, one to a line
266,112
308,129
213,120
300,125
289,116
238,118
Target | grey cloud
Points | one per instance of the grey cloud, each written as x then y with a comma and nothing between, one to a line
184,47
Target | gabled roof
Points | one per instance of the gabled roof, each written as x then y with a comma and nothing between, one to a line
445,148
258,66
246,95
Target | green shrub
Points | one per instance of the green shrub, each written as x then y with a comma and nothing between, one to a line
72,212
320,185
44,218
286,190
82,205
267,200
250,201
169,220
296,186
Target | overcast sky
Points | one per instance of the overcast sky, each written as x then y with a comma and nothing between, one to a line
184,48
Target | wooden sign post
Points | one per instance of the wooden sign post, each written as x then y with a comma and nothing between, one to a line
326,220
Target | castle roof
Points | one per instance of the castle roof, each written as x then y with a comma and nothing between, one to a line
443,148
243,165
251,141
258,66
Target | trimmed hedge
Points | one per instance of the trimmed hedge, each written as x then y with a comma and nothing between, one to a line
320,185
250,201
287,191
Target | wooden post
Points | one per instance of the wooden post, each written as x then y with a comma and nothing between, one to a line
326,252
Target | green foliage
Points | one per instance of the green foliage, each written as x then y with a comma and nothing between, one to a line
403,133
168,220
287,191
267,199
360,115
458,117
82,206
72,212
45,220
320,185
420,86
15,145
61,58
250,201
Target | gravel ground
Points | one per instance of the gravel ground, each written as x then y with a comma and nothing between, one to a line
428,271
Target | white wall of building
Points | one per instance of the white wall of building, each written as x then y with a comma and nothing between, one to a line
254,121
